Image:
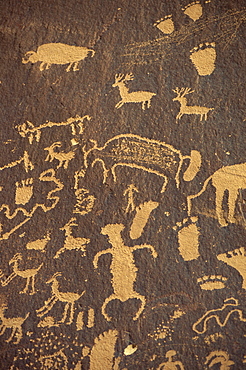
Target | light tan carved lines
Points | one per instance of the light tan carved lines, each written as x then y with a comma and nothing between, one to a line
219,357
203,57
28,274
231,178
189,109
237,260
63,157
193,10
13,323
170,364
39,244
23,191
58,53
77,176
68,297
57,360
129,194
72,243
221,316
25,159
122,267
165,24
188,238
80,321
212,282
149,155
85,202
103,350
141,218
27,129
143,97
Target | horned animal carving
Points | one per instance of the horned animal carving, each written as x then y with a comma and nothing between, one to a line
62,157
149,155
58,53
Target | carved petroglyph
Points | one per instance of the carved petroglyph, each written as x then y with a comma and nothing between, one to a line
77,176
57,360
193,10
219,357
39,244
170,364
141,218
165,24
212,282
58,53
28,274
81,320
129,194
91,318
62,157
47,322
237,260
149,155
23,191
25,159
27,129
165,329
130,349
188,238
102,352
68,297
203,57
13,323
221,316
122,268
189,109
85,202
143,97
231,178
72,243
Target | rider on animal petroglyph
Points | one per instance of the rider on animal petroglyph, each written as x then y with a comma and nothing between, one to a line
122,267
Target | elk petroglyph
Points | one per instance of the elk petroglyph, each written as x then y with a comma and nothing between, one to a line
58,53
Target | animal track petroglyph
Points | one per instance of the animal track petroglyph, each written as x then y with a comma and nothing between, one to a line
237,260
165,24
212,282
24,191
193,10
188,238
203,57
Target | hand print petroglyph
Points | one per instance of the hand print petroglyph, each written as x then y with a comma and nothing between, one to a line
219,357
170,364
140,220
212,282
28,274
25,159
143,97
24,191
221,316
188,238
189,109
85,202
231,178
203,57
72,243
13,323
27,129
165,24
149,155
58,53
193,10
122,268
62,157
237,260
67,297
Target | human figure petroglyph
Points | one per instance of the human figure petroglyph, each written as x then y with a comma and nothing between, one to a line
27,129
25,159
237,260
189,109
149,155
28,274
122,267
58,53
170,364
143,97
231,178
193,10
203,57
188,238
221,315
13,323
68,297
219,357
165,24
63,157
212,282
140,220
72,243
129,193
23,191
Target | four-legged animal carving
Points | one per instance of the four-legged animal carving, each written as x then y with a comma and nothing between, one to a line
28,274
13,323
62,157
68,297
122,268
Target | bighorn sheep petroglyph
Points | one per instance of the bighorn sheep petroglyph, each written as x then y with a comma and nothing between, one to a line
62,157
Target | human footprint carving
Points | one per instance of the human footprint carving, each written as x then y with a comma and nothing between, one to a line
193,10
188,235
212,282
203,57
165,24
141,218
24,191
237,260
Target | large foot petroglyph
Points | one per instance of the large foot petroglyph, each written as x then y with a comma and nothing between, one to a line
212,282
237,260
193,10
203,57
165,24
188,235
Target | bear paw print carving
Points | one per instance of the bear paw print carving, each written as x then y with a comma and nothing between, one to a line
24,191
193,10
165,24
203,57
